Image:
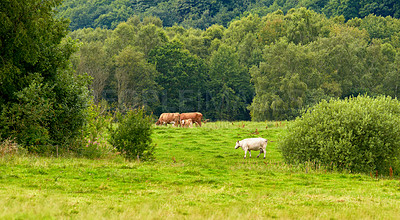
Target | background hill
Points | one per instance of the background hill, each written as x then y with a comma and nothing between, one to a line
203,14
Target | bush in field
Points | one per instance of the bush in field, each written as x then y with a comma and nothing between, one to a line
94,142
360,134
132,134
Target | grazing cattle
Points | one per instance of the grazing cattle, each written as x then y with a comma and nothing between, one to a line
187,123
195,116
252,144
169,118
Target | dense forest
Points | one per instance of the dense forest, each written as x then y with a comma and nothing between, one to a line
260,68
202,14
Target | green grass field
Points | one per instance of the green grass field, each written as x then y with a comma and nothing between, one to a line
197,175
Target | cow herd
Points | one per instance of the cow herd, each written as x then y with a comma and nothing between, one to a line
183,119
188,119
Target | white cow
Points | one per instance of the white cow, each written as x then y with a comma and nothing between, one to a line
252,144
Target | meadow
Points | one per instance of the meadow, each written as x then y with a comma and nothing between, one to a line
197,174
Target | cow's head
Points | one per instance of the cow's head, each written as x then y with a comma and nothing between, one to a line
237,144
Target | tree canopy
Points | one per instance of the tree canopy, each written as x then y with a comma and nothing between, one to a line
261,67
205,13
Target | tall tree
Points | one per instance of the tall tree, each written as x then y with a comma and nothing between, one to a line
281,81
149,37
182,77
135,78
229,89
93,61
34,59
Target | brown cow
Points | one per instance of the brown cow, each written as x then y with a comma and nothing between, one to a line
195,116
169,118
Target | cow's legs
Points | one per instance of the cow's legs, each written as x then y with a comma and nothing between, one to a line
245,153
265,152
249,153
261,150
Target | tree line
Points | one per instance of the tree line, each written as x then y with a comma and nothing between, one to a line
203,14
263,68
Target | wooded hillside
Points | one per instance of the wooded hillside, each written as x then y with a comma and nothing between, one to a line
264,68
203,14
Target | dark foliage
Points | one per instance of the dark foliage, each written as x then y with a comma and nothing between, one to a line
203,14
41,102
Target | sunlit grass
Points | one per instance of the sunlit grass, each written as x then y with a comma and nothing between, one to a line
197,174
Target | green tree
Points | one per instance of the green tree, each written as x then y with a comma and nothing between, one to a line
229,89
122,36
149,37
34,58
250,51
384,28
281,81
348,8
380,7
304,26
392,79
194,41
273,27
342,59
239,29
135,76
93,61
182,76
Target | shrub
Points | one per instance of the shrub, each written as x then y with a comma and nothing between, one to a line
46,115
360,134
94,142
28,119
132,134
71,98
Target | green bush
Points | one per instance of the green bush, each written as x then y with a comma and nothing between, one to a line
46,115
131,136
71,98
94,142
360,134
28,119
